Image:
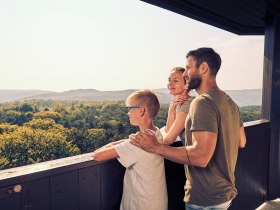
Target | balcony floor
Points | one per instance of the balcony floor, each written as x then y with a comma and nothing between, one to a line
268,205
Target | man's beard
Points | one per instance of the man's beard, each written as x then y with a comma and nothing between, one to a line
193,82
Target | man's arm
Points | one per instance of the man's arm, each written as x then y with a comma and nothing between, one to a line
203,147
242,137
198,154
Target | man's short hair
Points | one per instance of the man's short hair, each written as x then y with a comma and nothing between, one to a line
207,55
148,99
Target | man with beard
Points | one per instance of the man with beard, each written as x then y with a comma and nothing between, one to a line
214,132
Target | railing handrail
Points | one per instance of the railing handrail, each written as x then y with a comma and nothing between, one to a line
256,122
10,176
18,174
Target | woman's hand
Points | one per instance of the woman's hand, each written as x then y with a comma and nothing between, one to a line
178,100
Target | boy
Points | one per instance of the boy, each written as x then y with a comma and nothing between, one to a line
144,180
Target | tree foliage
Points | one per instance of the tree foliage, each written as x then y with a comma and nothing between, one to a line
48,114
41,130
23,145
250,113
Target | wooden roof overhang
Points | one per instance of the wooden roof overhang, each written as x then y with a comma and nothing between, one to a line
242,17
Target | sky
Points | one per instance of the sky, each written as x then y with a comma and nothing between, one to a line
60,45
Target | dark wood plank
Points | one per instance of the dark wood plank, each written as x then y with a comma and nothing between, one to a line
35,195
89,188
252,168
64,191
271,100
112,173
10,203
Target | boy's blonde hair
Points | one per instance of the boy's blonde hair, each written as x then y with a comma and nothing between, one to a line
148,99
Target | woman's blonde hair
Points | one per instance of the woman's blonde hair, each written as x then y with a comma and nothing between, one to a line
179,69
148,99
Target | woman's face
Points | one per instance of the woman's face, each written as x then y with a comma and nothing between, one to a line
176,83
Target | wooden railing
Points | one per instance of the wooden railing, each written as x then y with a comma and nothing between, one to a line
74,183
252,167
79,183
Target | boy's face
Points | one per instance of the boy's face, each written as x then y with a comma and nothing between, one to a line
134,111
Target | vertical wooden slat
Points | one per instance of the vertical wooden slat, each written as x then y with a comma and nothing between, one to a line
10,203
112,173
271,100
35,195
90,188
252,169
64,191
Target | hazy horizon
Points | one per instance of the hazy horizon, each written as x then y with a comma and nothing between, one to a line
60,45
108,90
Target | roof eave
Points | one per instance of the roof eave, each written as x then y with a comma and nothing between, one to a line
210,19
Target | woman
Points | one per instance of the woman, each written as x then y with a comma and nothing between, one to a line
173,135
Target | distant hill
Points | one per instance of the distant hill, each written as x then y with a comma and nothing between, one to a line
246,97
242,97
14,95
95,95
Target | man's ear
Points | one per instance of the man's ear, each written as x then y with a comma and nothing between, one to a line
204,68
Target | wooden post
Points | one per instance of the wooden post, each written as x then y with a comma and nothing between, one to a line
271,100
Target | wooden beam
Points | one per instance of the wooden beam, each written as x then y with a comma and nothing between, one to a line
271,100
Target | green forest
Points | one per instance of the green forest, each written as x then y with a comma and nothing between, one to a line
41,130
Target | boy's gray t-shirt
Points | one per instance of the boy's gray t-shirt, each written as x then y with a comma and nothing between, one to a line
144,180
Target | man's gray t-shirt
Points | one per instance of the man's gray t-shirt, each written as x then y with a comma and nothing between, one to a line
213,111
144,181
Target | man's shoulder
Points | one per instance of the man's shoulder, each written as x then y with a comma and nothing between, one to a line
204,104
201,99
187,102
217,100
